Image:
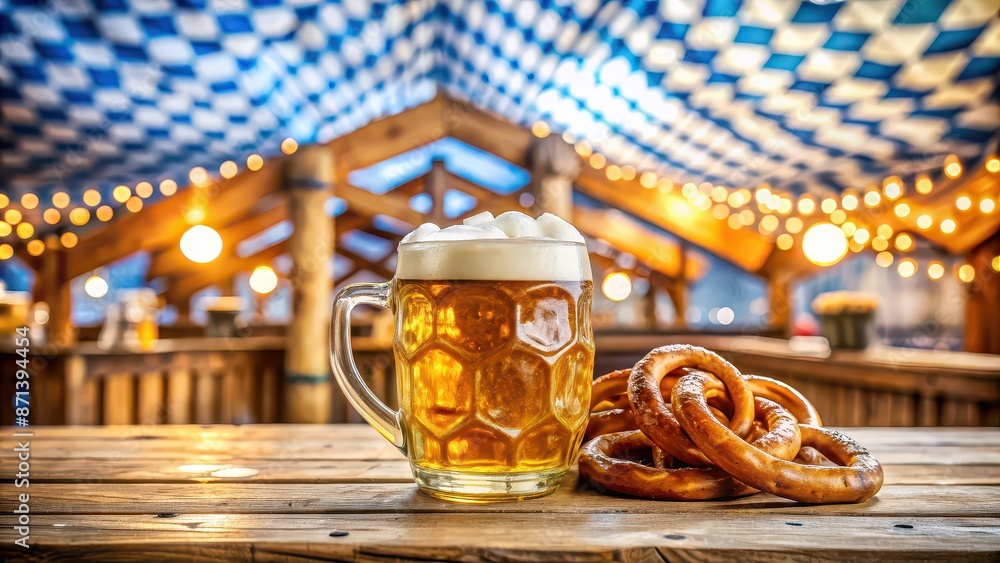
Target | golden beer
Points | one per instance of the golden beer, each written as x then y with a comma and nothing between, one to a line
494,355
494,376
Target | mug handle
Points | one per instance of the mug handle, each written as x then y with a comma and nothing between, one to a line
384,419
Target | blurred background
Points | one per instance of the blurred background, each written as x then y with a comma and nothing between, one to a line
810,188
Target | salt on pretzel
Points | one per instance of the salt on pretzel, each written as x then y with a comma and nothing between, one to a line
655,417
858,476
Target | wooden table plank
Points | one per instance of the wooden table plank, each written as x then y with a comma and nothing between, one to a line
71,470
572,497
538,537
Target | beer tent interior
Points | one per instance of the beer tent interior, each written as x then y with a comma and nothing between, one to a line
700,142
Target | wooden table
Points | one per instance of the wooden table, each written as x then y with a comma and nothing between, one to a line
279,492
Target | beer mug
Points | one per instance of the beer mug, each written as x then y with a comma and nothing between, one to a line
494,355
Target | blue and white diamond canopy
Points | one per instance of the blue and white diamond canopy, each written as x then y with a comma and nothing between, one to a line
803,95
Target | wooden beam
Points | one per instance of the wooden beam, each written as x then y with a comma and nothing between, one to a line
363,263
982,323
213,273
435,186
389,137
366,203
657,252
162,224
486,131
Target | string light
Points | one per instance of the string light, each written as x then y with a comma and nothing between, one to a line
996,263
104,213
747,218
647,180
92,197
824,244
892,187
948,226
987,205
884,231
568,138
168,187
806,205
904,242
121,193
540,129
597,160
828,206
785,206
734,222
907,268
51,216
4,201
966,273
263,280
134,204
735,199
993,165
583,149
873,198
25,230
35,247
12,216
79,216
689,190
769,223
849,227
925,222
255,162
861,236
880,243
963,202
6,251
785,241
952,167
290,145
617,286
613,173
628,173
924,185
199,176
60,200
720,212
5,229
702,202
793,225
849,202
29,201
719,194
935,270
144,189
68,239
838,216
901,210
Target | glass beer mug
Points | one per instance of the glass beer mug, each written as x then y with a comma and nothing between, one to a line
494,356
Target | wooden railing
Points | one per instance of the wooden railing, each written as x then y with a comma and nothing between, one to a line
874,387
240,380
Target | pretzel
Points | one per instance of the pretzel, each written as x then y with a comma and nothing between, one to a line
656,419
604,462
858,477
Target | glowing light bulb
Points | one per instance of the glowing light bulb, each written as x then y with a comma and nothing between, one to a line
793,225
51,216
828,206
613,173
838,216
60,200
263,280
143,190
902,210
904,242
168,187
255,162
104,213
884,231
6,251
583,149
963,202
29,201
540,129
993,165
892,188
121,193
924,185
880,243
785,241
12,216
873,198
35,247
925,222
68,239
96,286
617,286
907,268
861,236
79,216
92,197
948,226
290,145
824,244
198,176
201,244
628,173
986,205
849,202
807,205
134,204
647,180
966,273
935,270
952,167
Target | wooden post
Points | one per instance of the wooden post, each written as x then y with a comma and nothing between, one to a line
677,288
437,185
779,291
650,306
982,323
309,182
554,167
53,284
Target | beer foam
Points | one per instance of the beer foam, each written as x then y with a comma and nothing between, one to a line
511,246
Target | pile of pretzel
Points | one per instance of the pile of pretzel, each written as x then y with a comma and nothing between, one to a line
685,424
